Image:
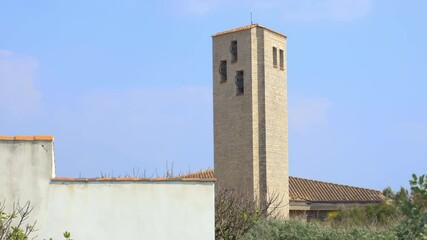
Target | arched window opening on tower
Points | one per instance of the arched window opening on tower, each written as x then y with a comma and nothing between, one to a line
274,57
239,83
282,61
233,51
223,71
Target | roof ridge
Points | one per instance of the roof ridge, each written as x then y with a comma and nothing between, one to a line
201,171
336,184
246,28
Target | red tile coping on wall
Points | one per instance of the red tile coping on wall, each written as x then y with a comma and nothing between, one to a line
26,138
246,28
130,179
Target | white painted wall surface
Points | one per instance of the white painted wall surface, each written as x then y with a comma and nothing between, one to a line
25,173
103,209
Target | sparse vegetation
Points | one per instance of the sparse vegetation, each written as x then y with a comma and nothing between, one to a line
67,236
383,214
167,172
236,213
402,216
13,225
272,229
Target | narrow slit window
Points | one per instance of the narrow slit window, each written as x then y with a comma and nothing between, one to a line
282,60
233,51
223,71
239,83
274,57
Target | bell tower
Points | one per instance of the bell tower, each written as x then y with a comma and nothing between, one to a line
250,112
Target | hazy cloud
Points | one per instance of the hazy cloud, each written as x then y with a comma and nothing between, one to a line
307,114
18,94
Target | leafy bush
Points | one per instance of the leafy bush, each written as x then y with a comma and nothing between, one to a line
67,236
297,230
414,226
382,214
402,216
13,225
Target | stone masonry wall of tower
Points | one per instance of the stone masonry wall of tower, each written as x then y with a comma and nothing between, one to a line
251,127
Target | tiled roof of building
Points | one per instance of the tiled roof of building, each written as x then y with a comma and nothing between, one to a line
301,189
306,190
200,174
246,28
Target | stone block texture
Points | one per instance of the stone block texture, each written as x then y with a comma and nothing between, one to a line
251,128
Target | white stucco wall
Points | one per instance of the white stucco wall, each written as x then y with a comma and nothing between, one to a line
102,209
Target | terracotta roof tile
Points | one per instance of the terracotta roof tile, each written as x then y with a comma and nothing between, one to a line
200,174
306,190
44,138
7,138
26,138
246,28
323,192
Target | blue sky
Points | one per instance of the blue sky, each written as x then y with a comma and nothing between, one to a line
126,85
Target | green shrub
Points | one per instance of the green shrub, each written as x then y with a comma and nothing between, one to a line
402,216
13,225
414,226
298,230
382,214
